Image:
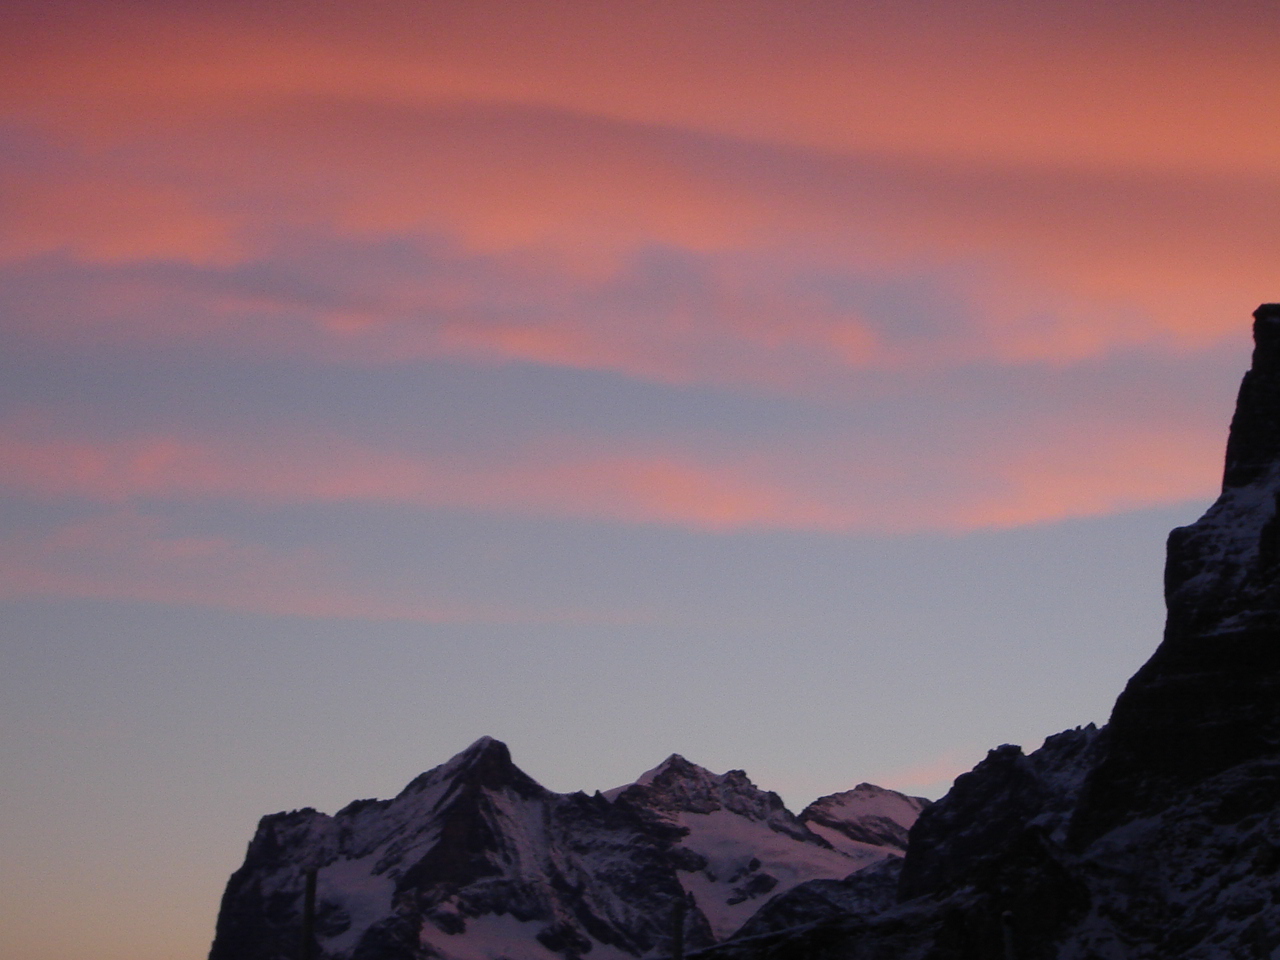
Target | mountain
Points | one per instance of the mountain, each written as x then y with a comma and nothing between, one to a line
1157,837
476,861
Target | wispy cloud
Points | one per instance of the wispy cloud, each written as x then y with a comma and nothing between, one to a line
127,555
1081,473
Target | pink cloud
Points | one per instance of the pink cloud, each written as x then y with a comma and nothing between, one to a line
622,487
1108,85
1091,471
1076,472
108,218
555,172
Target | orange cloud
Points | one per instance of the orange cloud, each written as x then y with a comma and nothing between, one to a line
1092,193
104,218
1101,85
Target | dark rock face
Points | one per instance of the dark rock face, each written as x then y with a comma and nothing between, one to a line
990,809
868,891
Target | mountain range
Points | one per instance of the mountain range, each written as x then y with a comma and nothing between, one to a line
476,860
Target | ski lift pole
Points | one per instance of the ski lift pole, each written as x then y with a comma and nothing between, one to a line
306,946
677,928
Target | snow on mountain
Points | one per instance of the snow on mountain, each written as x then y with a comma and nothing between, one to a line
864,820
476,861
754,846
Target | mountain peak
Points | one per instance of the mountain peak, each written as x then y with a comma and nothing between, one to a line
678,786
1253,445
486,745
485,752
486,764
476,860
1224,568
676,767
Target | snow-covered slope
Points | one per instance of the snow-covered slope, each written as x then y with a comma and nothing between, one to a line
739,845
476,861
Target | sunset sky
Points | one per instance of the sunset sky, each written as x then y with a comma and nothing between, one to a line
801,387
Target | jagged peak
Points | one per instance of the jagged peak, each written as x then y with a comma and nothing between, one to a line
674,767
485,763
674,761
678,786
1253,443
1220,566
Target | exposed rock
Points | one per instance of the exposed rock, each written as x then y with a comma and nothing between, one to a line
869,891
989,809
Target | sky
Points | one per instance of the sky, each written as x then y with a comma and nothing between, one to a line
801,388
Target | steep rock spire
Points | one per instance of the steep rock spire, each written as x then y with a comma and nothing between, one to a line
1253,446
1209,697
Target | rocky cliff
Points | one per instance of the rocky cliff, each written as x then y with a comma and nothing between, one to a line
1209,698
